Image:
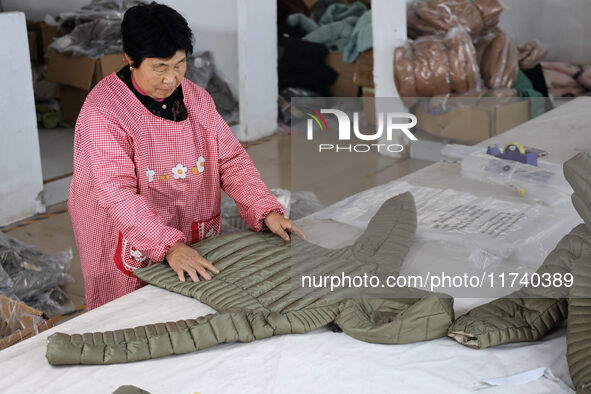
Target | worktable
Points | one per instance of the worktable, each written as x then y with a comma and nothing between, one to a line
321,361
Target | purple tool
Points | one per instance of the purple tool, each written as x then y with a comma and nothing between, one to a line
515,152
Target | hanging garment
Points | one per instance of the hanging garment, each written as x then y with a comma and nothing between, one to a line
532,312
254,298
142,183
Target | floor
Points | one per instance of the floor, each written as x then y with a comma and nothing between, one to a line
52,232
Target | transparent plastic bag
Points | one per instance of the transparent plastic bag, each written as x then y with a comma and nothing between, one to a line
52,302
14,318
404,75
295,206
491,229
439,16
304,203
499,61
6,283
464,71
201,70
96,10
531,54
25,270
434,65
93,39
542,184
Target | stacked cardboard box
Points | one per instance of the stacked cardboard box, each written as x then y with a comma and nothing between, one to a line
41,35
76,76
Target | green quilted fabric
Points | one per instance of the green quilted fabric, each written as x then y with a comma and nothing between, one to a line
254,297
531,313
129,389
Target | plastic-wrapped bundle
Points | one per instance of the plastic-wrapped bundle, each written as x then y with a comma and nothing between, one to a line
463,69
92,39
490,11
96,10
531,54
433,65
439,16
404,75
51,302
201,69
564,79
295,206
499,64
25,272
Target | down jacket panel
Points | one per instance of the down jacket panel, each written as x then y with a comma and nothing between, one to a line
254,297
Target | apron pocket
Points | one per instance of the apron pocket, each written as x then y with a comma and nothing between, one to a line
206,229
127,258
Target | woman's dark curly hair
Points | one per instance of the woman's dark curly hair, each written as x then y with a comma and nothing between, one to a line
154,30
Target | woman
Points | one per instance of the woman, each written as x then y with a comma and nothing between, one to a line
150,155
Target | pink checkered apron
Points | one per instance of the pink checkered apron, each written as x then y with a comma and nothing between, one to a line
142,183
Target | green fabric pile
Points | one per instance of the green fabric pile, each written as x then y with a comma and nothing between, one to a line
342,28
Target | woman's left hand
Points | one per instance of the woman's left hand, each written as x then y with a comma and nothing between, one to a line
281,226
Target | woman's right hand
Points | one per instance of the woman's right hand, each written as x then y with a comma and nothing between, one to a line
183,258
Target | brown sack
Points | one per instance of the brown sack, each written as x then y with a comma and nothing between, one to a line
531,54
499,64
490,11
404,76
439,16
464,71
431,67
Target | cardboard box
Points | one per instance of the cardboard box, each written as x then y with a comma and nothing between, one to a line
363,75
33,38
369,105
77,75
19,321
41,35
471,125
48,34
343,86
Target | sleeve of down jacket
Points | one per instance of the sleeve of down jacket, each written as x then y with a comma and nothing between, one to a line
108,153
531,312
185,336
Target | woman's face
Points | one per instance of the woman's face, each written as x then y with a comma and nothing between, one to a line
157,77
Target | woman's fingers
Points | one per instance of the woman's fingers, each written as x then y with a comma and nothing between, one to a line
298,231
203,273
193,274
281,232
208,265
193,264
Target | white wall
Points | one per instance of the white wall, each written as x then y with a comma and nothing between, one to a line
21,181
257,59
214,24
562,24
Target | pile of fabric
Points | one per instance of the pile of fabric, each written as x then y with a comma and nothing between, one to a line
567,80
459,51
342,28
